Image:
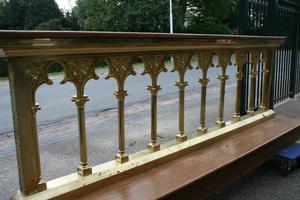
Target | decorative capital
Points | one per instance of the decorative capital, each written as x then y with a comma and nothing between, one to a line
79,71
255,57
121,94
241,58
224,58
239,75
80,101
204,60
154,65
223,78
203,81
120,68
153,89
181,85
35,109
182,62
38,73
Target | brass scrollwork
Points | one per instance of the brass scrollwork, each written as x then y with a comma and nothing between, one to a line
79,71
182,62
204,62
223,62
120,68
154,65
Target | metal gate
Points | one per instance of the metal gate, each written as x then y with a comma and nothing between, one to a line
274,17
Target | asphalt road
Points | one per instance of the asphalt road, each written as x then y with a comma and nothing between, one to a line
56,104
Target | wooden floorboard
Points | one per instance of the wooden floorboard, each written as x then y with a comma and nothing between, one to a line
198,174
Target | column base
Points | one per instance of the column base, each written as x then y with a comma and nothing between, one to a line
263,108
181,137
84,171
220,123
236,118
42,185
122,158
202,130
153,147
250,112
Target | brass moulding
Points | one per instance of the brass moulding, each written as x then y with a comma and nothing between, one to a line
84,170
72,186
181,137
202,130
153,147
220,123
236,118
182,62
42,185
122,158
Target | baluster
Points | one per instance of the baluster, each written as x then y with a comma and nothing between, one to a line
25,77
255,58
79,72
154,65
267,57
182,62
204,62
120,68
241,57
224,61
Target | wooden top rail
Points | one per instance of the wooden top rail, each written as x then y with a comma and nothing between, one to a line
51,43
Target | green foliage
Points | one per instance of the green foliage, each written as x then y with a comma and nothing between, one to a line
4,23
212,16
129,15
209,25
27,14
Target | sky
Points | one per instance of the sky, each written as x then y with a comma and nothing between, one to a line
65,4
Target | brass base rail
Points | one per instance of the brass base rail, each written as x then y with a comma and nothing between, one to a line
74,185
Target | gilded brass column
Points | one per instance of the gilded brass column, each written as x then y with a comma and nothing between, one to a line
79,72
154,65
120,68
224,61
268,56
241,57
25,77
204,62
182,62
255,58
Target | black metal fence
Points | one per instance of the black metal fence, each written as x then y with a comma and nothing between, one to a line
274,17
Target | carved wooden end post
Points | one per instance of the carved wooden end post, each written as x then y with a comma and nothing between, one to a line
25,76
182,62
120,68
154,65
204,62
79,72
224,61
255,58
241,57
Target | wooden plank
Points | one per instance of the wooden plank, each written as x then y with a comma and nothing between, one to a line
202,172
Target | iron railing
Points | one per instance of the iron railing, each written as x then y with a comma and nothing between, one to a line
275,17
29,55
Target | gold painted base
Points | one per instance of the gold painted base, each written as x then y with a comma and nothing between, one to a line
122,158
220,123
263,108
181,137
250,112
42,185
84,171
153,147
201,130
236,118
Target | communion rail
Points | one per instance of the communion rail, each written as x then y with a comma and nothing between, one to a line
31,53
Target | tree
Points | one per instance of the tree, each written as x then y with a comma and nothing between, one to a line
27,14
212,16
4,23
129,15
